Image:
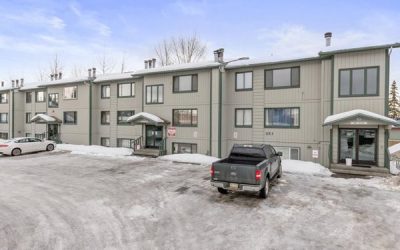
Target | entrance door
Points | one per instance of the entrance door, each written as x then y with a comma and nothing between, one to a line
154,136
52,132
358,144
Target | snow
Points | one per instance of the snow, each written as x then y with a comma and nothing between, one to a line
64,81
95,150
146,115
393,168
395,148
113,76
44,117
264,61
190,158
356,112
183,66
304,167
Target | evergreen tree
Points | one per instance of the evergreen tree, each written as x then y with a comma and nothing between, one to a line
394,104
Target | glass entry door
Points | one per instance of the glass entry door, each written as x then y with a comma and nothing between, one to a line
358,144
154,136
52,132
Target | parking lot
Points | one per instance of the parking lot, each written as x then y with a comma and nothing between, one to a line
60,200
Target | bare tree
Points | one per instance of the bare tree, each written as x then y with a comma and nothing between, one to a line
42,76
123,65
106,65
180,50
56,65
78,71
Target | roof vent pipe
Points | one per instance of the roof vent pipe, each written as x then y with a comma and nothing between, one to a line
60,75
90,73
55,76
94,72
219,55
17,83
12,83
150,63
22,82
2,83
52,77
153,62
328,37
146,64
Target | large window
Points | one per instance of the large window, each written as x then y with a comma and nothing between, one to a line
40,97
154,94
28,97
289,153
28,117
4,136
358,82
282,117
126,89
105,117
124,143
184,148
244,81
40,136
3,98
243,118
105,141
185,117
70,117
122,116
105,91
3,117
28,134
187,83
53,100
282,78
70,92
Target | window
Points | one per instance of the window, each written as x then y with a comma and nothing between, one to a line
124,143
126,89
186,83
282,78
184,148
53,100
3,117
105,91
122,116
358,82
185,117
154,94
28,134
244,81
282,117
105,141
40,97
40,136
28,117
70,92
70,117
4,136
105,117
28,97
289,153
3,98
243,118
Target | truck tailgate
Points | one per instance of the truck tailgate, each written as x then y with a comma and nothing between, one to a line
235,173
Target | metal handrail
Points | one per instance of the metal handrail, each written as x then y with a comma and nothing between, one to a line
137,142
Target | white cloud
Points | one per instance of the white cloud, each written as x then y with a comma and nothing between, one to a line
190,8
35,17
90,21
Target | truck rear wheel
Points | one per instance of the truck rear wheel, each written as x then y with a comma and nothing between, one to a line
265,190
222,190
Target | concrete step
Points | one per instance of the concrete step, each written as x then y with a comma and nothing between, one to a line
147,152
368,171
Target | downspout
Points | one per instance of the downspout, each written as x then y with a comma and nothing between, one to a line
210,139
331,109
219,113
13,112
90,111
387,82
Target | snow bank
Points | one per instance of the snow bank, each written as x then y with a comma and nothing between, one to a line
190,158
393,168
304,167
395,148
97,151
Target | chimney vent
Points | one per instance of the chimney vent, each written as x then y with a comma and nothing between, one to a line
150,63
16,83
328,37
153,62
52,77
56,76
2,83
146,64
219,55
60,75
90,73
22,82
12,83
94,72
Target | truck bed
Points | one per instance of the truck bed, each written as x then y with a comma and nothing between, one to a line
242,161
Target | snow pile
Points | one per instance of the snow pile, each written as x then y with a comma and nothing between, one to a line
393,168
44,117
395,148
97,151
357,112
146,115
304,167
190,158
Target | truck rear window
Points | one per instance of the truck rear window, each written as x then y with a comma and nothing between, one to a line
248,152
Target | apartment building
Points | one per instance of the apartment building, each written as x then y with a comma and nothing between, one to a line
324,109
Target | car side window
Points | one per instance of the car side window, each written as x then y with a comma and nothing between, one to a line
33,140
273,151
22,141
268,151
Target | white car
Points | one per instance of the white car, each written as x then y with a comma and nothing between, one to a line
18,146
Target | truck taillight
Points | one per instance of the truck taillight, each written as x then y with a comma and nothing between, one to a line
3,145
212,171
258,175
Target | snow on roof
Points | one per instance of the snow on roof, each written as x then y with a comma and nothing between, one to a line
264,61
113,76
64,81
342,49
146,116
176,67
31,86
358,112
44,117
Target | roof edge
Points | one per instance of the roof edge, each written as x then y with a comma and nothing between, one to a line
340,51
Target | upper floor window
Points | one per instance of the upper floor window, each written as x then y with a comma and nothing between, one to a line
70,92
154,94
70,117
4,136
53,100
282,117
40,97
358,82
243,117
185,117
105,117
3,98
122,116
126,89
244,81
282,78
3,117
187,83
28,117
105,91
28,97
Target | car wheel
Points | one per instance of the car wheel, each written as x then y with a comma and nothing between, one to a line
16,152
50,147
265,190
280,171
222,190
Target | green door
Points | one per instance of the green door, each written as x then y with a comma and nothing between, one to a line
154,136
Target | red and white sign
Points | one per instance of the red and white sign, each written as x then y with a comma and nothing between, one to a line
171,132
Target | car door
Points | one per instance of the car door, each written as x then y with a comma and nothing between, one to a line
36,144
273,159
24,145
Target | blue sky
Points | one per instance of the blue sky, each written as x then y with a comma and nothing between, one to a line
81,32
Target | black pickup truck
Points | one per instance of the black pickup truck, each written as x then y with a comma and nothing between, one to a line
248,168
